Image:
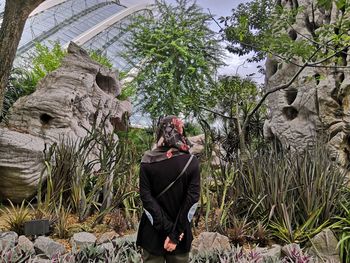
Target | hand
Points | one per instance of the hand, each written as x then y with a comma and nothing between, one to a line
169,245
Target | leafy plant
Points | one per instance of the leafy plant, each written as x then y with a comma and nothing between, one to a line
231,102
11,254
176,55
117,222
62,224
342,226
294,194
46,60
125,250
101,59
91,253
238,233
73,177
16,216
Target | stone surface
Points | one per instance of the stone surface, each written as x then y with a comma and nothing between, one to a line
210,241
25,244
48,247
107,237
270,252
319,99
82,239
39,259
198,148
65,102
8,239
324,247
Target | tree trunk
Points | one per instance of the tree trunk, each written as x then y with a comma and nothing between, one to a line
15,16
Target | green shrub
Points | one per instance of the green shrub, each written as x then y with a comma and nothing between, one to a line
294,194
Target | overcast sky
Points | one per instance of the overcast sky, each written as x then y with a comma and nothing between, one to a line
220,8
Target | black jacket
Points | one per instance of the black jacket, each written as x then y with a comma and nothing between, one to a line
159,219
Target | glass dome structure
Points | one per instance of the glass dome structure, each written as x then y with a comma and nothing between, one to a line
92,24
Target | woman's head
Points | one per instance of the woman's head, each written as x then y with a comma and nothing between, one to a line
170,133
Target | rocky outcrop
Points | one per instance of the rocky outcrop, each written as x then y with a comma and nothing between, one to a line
319,98
66,103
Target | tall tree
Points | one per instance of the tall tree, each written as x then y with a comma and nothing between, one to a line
179,56
231,102
15,16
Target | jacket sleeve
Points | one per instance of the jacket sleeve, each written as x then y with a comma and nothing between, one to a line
190,204
152,209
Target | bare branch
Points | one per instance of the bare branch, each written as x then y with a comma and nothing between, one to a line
218,113
216,22
284,86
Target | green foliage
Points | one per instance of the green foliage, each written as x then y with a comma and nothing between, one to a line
342,226
101,59
91,253
61,225
247,28
265,27
138,140
16,216
46,60
294,195
71,177
235,97
176,55
192,129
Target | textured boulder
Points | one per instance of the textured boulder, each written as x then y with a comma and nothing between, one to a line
107,237
208,242
24,244
65,103
48,247
319,98
324,247
82,239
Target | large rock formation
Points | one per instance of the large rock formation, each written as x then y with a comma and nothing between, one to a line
319,99
65,104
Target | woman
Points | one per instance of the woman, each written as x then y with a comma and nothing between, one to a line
169,190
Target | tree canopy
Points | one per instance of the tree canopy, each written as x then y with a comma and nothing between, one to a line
266,27
176,54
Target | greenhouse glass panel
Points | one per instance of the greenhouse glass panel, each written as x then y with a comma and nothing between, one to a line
76,16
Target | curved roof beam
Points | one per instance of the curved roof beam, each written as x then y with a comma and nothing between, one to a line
46,5
42,7
59,26
84,37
